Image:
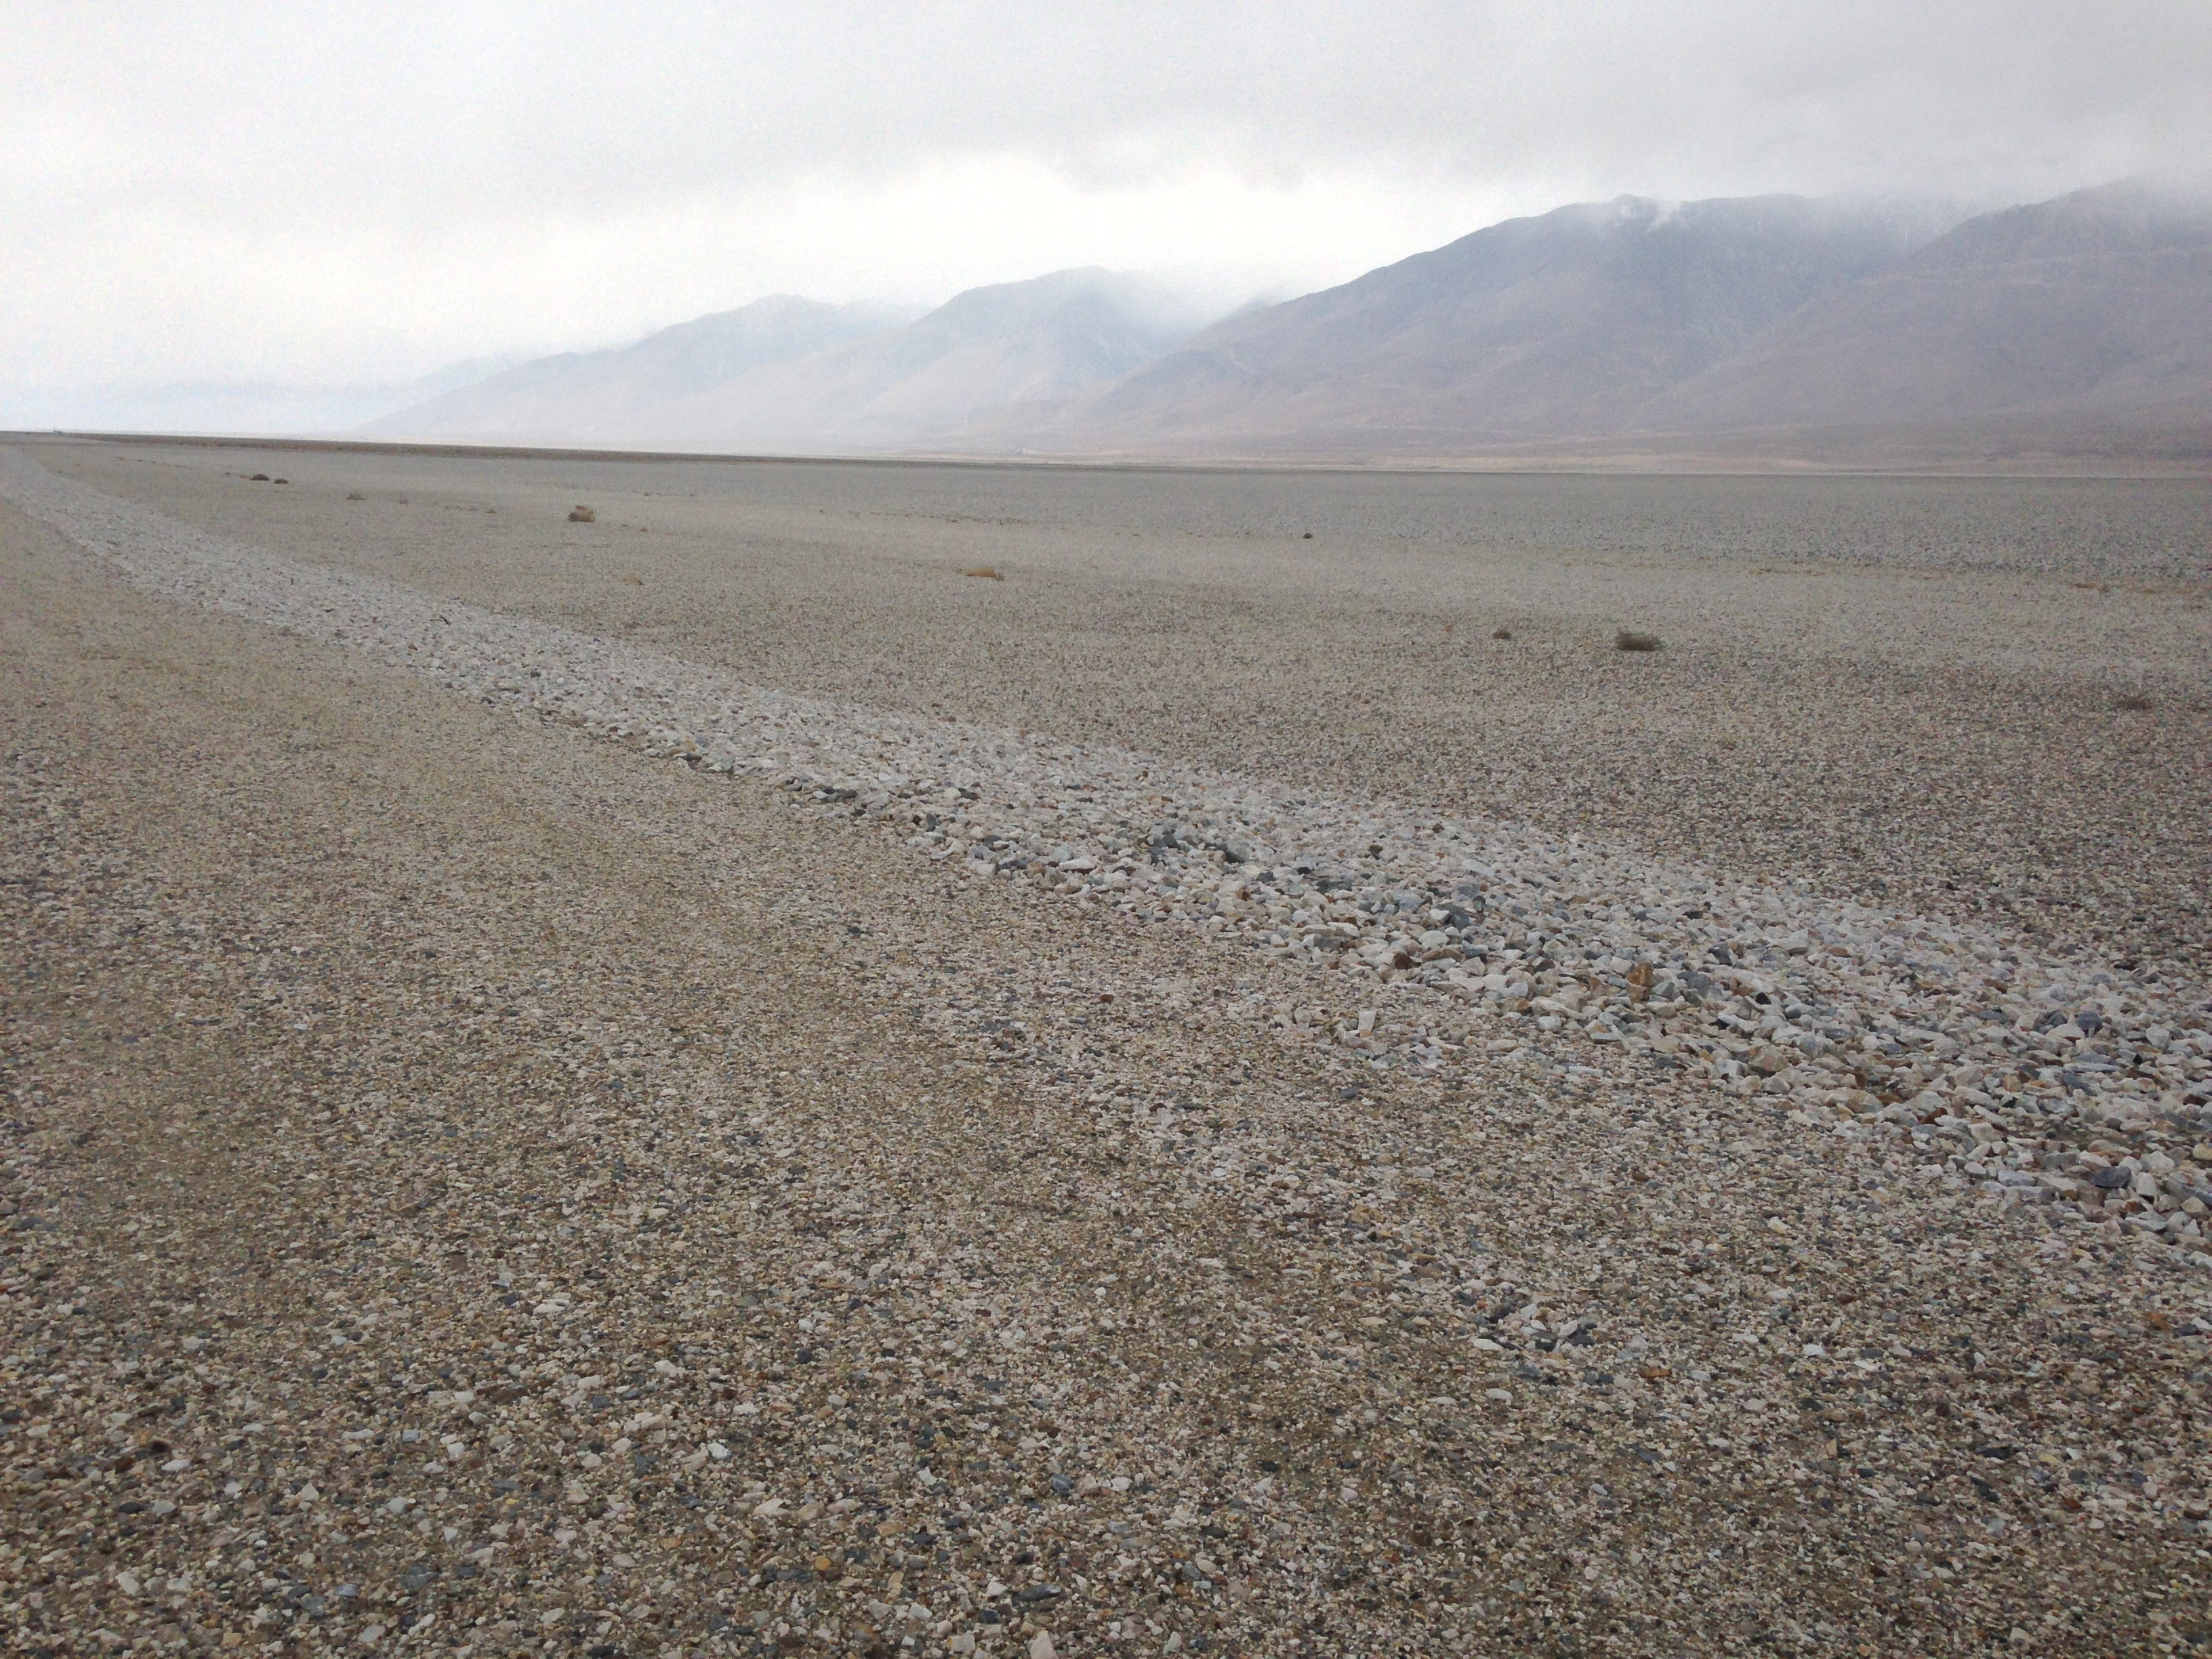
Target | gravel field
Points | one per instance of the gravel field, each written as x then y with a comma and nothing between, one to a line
628,1159
1907,691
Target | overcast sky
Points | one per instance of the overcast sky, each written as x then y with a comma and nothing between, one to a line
340,193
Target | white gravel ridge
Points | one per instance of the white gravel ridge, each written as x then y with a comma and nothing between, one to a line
2038,1080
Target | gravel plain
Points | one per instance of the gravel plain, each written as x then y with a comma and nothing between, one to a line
1913,692
524,1140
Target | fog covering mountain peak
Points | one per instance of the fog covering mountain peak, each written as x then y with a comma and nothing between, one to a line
793,376
1570,321
1775,325
594,397
2090,310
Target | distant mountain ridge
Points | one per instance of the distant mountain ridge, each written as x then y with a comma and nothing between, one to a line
1566,323
589,397
230,407
1765,326
788,375
2097,304
2082,323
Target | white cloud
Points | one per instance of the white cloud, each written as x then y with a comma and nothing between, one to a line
361,192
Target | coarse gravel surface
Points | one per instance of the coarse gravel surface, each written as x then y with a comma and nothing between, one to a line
476,1185
1917,693
2039,1075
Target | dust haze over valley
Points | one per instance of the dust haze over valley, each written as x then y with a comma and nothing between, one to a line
1106,832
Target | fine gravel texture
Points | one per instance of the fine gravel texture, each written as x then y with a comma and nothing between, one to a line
477,1185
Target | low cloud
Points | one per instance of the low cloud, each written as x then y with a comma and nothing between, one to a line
361,193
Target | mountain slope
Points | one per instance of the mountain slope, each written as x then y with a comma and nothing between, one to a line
600,396
1771,326
1045,338
765,379
1567,323
2097,306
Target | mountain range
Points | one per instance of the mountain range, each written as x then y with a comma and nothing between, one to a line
629,395
790,376
1774,324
